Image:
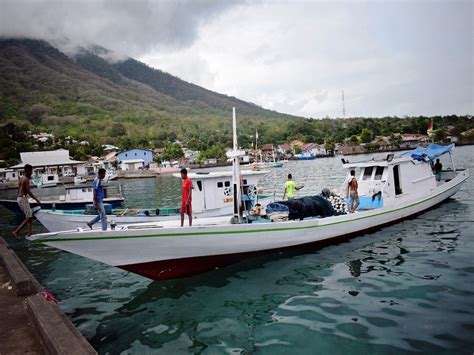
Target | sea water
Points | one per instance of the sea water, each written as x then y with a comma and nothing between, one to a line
407,288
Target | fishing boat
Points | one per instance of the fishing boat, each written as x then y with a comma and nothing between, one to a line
75,197
403,186
211,197
111,174
79,179
46,180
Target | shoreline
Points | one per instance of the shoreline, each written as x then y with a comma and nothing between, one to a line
31,319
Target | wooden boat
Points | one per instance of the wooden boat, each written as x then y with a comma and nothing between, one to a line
163,250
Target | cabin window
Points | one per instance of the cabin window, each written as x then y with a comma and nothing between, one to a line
244,181
227,184
144,153
220,184
368,173
50,178
135,154
199,184
84,190
379,173
126,154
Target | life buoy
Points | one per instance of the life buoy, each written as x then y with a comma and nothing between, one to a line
252,192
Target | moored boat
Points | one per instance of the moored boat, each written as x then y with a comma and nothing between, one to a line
406,186
46,180
75,197
79,179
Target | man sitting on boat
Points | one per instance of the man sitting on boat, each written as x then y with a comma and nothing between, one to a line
352,193
98,200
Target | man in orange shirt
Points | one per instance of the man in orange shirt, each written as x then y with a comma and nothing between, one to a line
186,197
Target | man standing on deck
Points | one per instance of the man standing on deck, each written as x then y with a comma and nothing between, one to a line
22,200
437,169
98,200
290,188
352,194
186,197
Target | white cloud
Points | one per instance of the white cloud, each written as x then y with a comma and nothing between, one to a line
297,57
390,58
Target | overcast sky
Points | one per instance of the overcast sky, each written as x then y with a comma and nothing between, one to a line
390,58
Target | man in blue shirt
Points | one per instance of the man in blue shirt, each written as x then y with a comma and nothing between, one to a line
98,201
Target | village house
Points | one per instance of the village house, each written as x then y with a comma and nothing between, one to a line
8,175
134,159
350,149
50,162
284,149
312,150
411,141
43,137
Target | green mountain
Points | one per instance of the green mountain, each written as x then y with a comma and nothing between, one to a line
129,104
86,95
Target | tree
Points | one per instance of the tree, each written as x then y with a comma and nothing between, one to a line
330,145
395,140
354,140
173,151
439,135
216,151
37,111
366,135
118,130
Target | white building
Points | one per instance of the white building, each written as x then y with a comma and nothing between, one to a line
50,162
8,175
43,137
132,164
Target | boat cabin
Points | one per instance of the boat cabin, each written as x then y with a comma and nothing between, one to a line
85,193
386,181
213,190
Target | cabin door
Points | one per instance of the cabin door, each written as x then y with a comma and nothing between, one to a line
396,178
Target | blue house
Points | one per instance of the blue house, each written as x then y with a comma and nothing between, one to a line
135,154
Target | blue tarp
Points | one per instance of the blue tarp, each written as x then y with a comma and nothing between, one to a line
431,152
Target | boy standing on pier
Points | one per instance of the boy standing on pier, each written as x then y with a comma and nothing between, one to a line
98,200
22,199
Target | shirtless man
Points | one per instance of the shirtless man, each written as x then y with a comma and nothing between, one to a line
22,199
352,194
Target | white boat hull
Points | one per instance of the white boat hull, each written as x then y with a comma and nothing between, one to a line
170,251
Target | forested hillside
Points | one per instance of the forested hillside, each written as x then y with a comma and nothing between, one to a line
130,104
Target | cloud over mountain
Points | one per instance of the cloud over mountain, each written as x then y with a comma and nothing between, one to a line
125,26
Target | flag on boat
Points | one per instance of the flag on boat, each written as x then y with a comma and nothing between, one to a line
429,130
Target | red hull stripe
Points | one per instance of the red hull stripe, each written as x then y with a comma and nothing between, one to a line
178,268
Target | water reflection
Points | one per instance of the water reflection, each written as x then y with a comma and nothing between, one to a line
405,288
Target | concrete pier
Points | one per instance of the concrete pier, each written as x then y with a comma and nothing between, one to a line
31,323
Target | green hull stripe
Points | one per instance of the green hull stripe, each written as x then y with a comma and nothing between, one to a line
240,231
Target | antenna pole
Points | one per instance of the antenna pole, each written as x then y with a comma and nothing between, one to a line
343,106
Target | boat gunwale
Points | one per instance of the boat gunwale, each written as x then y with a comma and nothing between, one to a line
42,238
